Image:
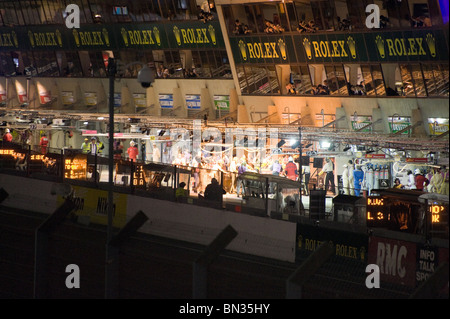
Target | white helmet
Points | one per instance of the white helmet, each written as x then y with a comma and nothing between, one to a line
416,171
132,143
7,130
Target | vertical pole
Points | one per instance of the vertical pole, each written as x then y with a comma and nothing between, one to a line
28,160
300,175
109,291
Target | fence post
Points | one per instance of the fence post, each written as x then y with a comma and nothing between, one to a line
41,247
112,254
200,266
295,282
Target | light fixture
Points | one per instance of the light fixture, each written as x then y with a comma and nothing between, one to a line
308,145
100,118
295,145
325,144
281,143
346,148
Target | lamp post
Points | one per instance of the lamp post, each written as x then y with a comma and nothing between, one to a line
109,291
300,171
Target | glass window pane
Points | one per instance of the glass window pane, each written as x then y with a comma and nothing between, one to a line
302,80
418,80
7,65
408,87
242,79
341,80
260,80
367,82
46,64
378,80
429,78
331,81
250,79
442,83
273,80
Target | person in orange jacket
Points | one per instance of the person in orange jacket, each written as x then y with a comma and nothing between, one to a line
44,143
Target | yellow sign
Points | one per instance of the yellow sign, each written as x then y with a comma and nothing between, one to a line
436,211
263,50
375,201
400,47
195,35
9,39
91,38
45,39
141,37
75,168
330,49
94,204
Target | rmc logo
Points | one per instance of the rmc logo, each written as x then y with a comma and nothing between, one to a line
73,16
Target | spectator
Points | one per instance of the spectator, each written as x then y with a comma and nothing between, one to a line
118,150
180,191
133,151
420,180
44,143
7,137
214,192
291,169
398,184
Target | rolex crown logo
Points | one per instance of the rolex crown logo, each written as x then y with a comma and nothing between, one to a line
176,31
352,46
307,46
157,37
76,37
300,242
106,36
30,36
380,45
241,45
282,46
431,41
123,32
212,33
58,38
15,40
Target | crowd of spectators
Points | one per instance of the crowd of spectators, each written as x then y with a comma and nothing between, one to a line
309,27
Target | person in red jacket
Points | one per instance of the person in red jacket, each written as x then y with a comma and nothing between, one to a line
7,137
44,143
291,169
133,151
421,180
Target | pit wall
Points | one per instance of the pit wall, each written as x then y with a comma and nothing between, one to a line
257,236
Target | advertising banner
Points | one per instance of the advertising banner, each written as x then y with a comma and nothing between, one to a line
193,102
396,259
222,102
166,101
67,98
93,203
437,126
360,121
